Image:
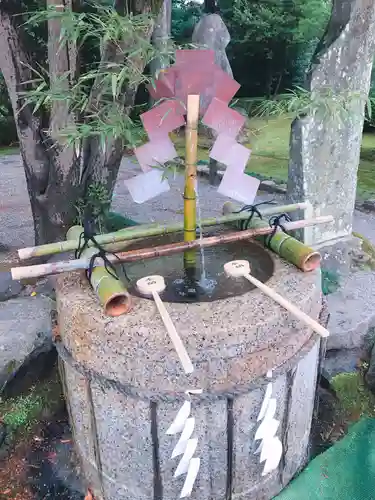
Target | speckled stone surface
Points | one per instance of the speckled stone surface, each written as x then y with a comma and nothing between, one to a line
233,343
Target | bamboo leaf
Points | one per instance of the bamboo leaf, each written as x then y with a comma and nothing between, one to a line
114,86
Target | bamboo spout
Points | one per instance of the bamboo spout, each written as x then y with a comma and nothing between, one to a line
297,253
190,200
110,291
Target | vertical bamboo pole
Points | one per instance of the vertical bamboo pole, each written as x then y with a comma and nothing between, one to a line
190,202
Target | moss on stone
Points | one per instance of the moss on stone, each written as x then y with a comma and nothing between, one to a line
367,248
356,400
22,413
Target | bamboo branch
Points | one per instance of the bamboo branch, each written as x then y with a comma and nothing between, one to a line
147,230
160,251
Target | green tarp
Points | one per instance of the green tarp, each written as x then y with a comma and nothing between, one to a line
346,471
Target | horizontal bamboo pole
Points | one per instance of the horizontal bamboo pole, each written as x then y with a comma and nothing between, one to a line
289,248
159,251
147,230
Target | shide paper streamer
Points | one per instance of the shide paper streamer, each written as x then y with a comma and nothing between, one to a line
270,447
186,446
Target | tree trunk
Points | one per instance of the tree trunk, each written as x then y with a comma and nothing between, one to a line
160,38
210,6
53,215
56,175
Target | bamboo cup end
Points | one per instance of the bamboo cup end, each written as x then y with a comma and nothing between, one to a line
118,304
312,262
25,253
237,268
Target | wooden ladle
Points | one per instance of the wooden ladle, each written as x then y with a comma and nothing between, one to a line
241,268
152,286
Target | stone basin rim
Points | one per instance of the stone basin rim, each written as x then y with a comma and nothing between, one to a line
171,396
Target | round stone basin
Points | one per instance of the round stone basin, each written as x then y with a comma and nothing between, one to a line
124,384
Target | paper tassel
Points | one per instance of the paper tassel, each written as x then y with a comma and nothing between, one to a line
186,446
270,446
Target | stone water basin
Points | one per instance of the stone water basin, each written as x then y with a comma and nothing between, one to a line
124,384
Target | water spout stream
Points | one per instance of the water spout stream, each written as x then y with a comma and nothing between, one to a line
204,282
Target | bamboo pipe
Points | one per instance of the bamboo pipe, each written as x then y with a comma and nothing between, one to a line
110,291
289,248
160,251
190,198
147,230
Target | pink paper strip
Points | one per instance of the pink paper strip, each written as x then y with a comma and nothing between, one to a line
221,147
223,119
155,153
237,157
195,59
146,186
164,85
239,186
193,83
225,86
162,119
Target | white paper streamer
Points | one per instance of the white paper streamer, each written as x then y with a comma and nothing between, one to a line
191,477
178,423
186,445
266,399
270,446
180,447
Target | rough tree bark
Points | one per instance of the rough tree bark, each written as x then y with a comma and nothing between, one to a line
161,34
57,175
210,6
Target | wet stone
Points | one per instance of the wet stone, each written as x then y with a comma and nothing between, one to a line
9,288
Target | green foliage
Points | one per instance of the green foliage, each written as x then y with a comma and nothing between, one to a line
96,203
97,96
8,133
355,398
21,413
272,36
185,14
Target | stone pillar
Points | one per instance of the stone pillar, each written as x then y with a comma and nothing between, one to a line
325,143
211,33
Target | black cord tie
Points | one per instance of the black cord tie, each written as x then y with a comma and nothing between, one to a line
88,235
275,223
253,210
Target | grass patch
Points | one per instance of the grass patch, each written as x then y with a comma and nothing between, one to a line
9,151
22,413
356,400
269,142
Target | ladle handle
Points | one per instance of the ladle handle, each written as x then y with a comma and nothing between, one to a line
174,336
289,306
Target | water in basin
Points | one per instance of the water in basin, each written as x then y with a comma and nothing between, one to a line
209,283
